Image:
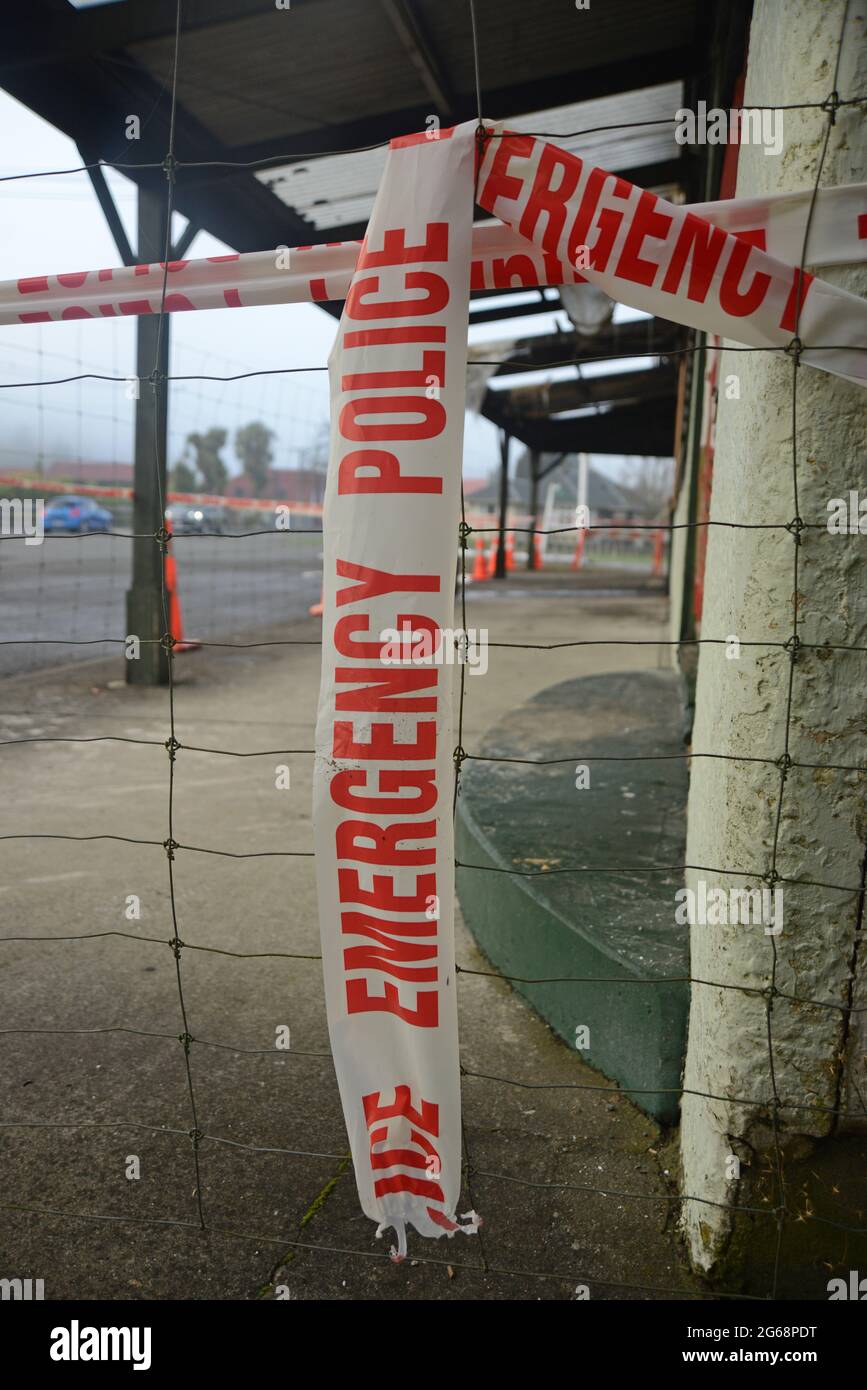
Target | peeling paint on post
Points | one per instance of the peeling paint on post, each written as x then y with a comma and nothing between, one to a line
741,702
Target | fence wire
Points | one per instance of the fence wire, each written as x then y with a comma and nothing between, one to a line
780,1212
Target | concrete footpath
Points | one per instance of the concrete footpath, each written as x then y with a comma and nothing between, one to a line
91,1027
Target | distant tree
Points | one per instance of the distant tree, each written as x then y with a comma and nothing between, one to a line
206,449
253,447
315,455
650,482
184,477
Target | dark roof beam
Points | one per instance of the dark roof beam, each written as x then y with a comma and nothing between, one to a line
109,209
407,24
616,339
646,429
555,397
542,94
185,240
239,209
50,31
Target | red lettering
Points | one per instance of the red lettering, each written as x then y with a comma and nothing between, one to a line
426,1117
376,582
701,244
411,627
548,199
360,1001
757,237
386,957
33,284
646,222
396,252
608,222
432,422
802,281
408,1158
420,1187
435,298
415,333
381,930
174,303
499,183
433,364
343,630
389,780
732,299
520,269
386,477
383,896
586,212
385,684
384,841
383,746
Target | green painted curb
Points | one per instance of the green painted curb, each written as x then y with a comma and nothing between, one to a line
587,924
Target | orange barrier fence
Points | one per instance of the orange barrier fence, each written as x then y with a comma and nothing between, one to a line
207,499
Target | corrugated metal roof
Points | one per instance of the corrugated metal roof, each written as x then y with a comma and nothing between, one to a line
339,190
259,85
330,62
547,38
281,72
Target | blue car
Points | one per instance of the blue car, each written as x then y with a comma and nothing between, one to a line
77,514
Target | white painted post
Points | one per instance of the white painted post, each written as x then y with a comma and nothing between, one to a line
583,465
550,495
741,700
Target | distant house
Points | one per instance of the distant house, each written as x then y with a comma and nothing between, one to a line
605,498
92,474
305,485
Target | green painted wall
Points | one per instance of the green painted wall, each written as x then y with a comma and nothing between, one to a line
596,924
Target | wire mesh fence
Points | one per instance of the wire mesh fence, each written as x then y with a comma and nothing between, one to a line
235,582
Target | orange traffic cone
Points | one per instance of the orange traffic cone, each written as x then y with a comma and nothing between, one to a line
538,557
480,570
510,551
173,602
492,558
317,609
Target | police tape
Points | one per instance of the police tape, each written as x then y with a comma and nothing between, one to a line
385,766
665,259
383,772
502,258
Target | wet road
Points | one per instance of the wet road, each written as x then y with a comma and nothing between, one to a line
73,589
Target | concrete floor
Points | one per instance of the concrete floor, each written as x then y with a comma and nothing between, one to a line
95,1099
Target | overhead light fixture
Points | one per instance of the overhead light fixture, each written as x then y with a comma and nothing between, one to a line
589,308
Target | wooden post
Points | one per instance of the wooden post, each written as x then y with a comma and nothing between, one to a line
144,600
